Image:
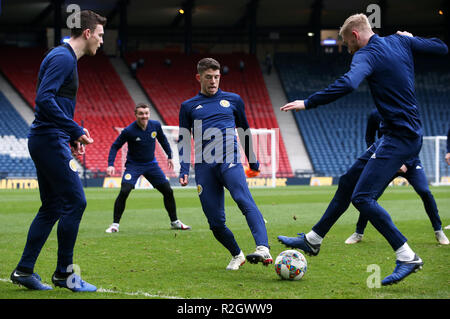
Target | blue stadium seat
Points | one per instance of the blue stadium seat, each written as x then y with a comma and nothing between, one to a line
334,134
15,160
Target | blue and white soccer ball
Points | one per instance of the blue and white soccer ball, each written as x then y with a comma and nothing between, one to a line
291,265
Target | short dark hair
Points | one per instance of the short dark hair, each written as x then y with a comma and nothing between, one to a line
207,63
141,106
88,20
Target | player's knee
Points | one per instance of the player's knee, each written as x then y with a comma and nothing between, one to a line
82,204
361,200
76,199
346,182
217,226
125,190
165,189
424,193
219,231
345,189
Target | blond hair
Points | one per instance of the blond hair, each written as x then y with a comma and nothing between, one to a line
358,22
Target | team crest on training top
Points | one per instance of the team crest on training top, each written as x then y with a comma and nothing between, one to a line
199,189
72,165
154,134
224,103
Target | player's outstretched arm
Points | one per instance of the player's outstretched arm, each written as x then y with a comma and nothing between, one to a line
295,105
419,44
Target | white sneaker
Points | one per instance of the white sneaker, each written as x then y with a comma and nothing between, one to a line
114,228
447,227
236,262
441,238
179,225
262,255
354,238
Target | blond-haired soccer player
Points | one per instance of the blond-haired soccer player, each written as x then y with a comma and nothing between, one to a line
388,66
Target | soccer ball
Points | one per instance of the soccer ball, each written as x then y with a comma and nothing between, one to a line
290,265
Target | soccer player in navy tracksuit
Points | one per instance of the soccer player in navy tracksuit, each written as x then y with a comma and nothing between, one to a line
413,172
51,132
141,136
212,116
387,64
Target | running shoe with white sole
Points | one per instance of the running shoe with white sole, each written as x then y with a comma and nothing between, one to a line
354,239
441,238
114,228
261,255
179,225
236,262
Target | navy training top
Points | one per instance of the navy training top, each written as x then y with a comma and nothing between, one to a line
210,116
387,64
54,110
141,143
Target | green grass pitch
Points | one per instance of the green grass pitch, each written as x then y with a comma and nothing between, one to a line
147,259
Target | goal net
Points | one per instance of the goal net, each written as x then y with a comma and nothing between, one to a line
265,146
432,156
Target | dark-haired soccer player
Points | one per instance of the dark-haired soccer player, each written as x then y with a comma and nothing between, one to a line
51,132
387,64
413,172
141,136
212,116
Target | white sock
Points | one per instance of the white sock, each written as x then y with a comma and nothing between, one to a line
405,253
115,225
313,238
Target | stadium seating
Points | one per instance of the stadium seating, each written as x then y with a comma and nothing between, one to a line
15,160
103,103
334,134
169,85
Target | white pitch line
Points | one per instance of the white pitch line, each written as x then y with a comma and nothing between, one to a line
110,291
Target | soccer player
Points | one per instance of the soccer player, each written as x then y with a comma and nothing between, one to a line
141,136
60,188
212,115
387,64
413,172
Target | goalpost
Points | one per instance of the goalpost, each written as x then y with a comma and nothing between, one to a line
432,156
265,146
